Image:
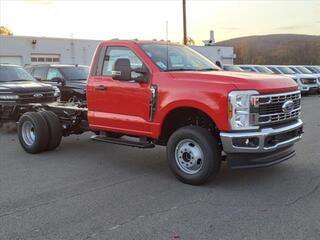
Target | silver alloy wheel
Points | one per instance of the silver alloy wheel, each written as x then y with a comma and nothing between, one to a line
189,156
27,132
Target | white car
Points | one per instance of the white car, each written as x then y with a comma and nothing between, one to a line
314,69
308,70
306,82
255,69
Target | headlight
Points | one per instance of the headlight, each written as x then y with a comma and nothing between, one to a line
56,91
9,97
239,103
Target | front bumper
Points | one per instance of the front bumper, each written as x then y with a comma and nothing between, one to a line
261,148
308,88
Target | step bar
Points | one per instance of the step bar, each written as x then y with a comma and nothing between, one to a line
121,141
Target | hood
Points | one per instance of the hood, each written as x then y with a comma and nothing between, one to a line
263,83
25,86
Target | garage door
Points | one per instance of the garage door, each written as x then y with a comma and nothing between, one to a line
16,60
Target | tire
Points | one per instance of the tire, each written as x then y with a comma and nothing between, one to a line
193,155
33,132
55,130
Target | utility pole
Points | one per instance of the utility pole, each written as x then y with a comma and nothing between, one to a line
185,40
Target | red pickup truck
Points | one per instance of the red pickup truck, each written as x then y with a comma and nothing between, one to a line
147,93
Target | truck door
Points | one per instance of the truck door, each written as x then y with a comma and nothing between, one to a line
118,105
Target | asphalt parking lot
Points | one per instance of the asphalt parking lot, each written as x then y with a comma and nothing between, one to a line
89,190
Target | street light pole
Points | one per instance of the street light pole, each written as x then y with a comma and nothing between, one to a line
185,40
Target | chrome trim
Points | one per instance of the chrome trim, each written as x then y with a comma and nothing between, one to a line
277,95
270,106
153,101
284,116
262,134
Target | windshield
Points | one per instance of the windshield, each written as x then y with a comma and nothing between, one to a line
75,73
263,69
232,68
14,74
274,70
177,58
286,70
318,68
247,68
304,70
313,69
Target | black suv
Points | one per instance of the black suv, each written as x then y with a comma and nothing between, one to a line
18,89
70,79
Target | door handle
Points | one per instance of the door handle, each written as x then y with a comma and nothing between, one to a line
101,88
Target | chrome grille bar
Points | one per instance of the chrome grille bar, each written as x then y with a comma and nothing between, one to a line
268,109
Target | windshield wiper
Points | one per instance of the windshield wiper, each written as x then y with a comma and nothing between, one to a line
191,69
180,69
208,69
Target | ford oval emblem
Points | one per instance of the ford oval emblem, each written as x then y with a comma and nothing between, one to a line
38,95
288,107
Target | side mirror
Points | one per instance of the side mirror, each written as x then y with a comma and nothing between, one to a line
142,75
59,80
122,70
38,79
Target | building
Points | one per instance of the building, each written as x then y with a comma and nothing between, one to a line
222,54
23,50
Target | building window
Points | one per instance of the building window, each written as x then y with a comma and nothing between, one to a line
45,58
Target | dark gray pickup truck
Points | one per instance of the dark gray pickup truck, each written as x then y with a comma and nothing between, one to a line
18,89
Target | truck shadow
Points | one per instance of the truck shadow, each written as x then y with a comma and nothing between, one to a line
152,162
8,127
229,177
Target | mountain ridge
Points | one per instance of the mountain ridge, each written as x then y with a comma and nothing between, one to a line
299,49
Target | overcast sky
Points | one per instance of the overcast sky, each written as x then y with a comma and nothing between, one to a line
146,19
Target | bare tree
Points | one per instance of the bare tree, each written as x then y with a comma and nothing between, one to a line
5,31
190,41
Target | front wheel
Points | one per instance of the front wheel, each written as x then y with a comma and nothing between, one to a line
193,154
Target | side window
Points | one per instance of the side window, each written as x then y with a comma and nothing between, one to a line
114,53
40,73
53,73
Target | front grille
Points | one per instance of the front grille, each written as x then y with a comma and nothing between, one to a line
276,107
308,80
269,109
31,98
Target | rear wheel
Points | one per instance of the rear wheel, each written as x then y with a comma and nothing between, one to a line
55,130
193,154
33,132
